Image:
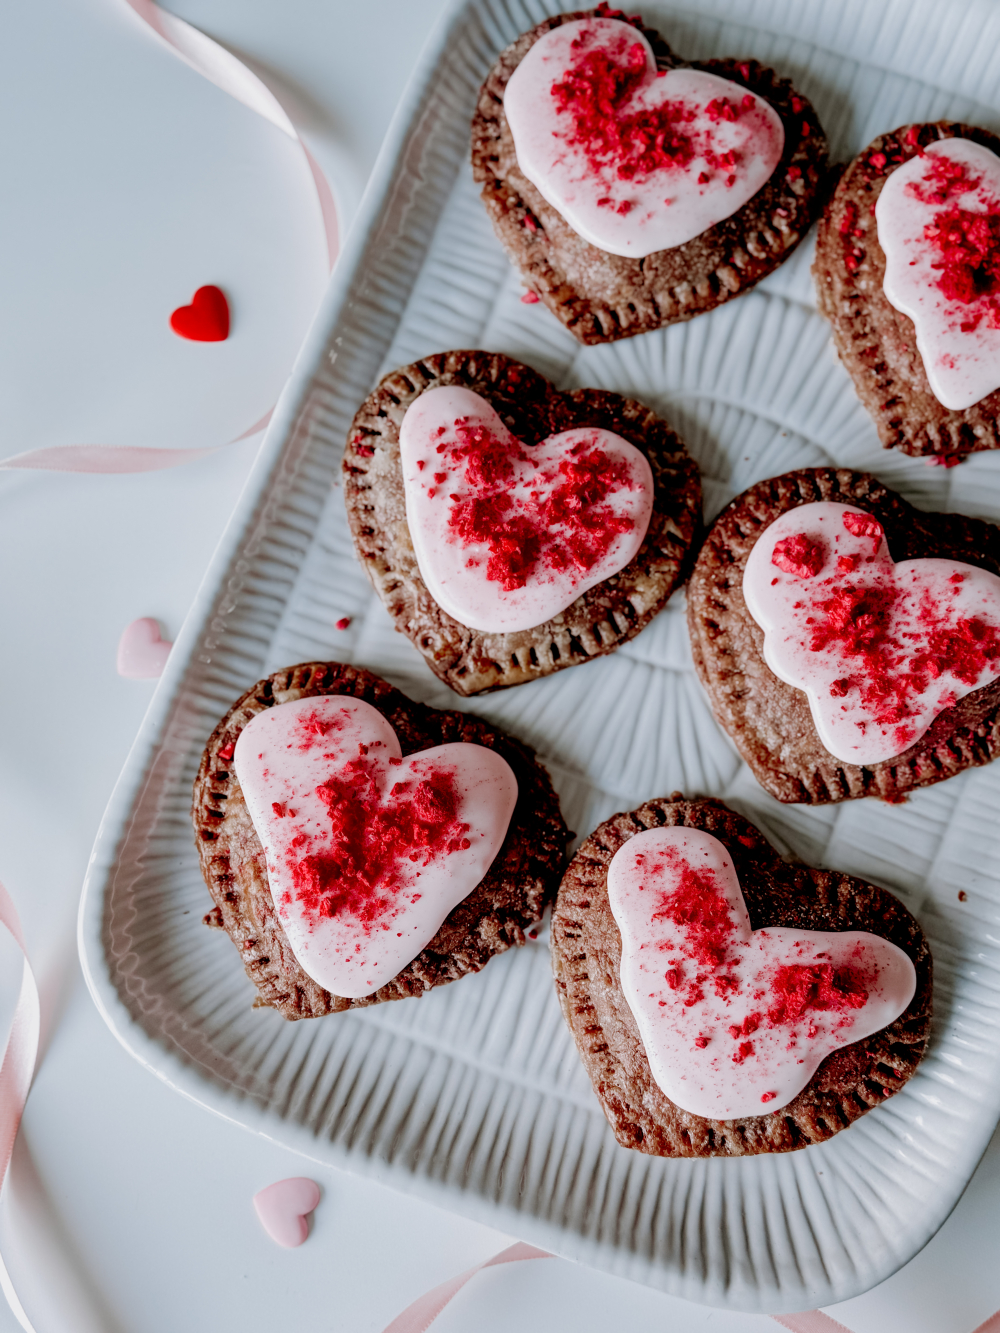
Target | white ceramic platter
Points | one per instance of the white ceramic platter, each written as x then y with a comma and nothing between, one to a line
473,1096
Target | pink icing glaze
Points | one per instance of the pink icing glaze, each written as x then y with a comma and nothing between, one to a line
559,516
688,148
958,339
367,852
142,653
880,649
735,1022
284,1207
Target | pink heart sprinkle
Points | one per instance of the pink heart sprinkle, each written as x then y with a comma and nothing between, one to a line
142,653
284,1208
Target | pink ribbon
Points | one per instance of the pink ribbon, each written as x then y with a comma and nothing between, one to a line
222,68
419,1316
810,1321
16,1072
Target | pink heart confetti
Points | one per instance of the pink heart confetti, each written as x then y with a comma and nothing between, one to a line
284,1208
142,652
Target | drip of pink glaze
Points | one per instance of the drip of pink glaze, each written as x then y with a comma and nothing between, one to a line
508,534
651,160
367,851
957,334
879,649
735,1021
142,653
284,1208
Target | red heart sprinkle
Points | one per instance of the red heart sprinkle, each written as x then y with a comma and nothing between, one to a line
205,320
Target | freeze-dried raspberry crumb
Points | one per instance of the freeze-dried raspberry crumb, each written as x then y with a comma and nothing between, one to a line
799,556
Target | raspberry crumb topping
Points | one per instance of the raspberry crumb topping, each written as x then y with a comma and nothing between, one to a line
966,241
375,841
799,556
892,641
797,989
711,951
863,525
596,92
621,137
570,525
891,671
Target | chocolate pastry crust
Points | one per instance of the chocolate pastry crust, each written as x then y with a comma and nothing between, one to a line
877,343
601,297
769,721
586,954
511,897
468,660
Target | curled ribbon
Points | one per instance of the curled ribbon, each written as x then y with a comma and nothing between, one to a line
810,1321
419,1316
16,1072
222,68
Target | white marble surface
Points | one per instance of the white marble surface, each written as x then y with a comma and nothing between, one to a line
131,1207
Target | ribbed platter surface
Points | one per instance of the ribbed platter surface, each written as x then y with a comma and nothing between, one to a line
473,1095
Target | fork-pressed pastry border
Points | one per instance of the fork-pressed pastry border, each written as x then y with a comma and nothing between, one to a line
600,619
586,956
509,899
769,720
876,342
601,296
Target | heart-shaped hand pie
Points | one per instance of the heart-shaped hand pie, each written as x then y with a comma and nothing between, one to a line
723,1001
367,852
206,319
735,1020
633,189
512,530
879,648
358,862
507,535
907,270
873,677
635,159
